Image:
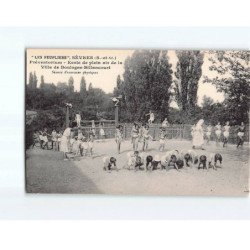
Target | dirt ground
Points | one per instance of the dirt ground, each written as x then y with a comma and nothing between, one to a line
47,172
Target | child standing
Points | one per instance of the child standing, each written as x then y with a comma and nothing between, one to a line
118,137
75,149
145,137
162,139
36,138
83,146
80,134
151,117
91,143
226,134
135,136
59,137
102,133
218,133
240,134
165,123
78,119
208,133
54,139
45,139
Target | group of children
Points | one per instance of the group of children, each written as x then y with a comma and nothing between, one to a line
222,133
81,145
43,138
139,134
78,144
172,159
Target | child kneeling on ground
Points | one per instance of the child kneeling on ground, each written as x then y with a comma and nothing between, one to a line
108,162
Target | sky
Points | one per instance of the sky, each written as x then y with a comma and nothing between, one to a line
15,40
105,79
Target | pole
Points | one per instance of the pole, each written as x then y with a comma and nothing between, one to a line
67,117
116,116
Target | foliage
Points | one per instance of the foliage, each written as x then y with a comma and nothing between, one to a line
32,84
188,73
83,88
71,84
146,84
233,79
49,102
207,101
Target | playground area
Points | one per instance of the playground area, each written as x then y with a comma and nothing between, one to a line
47,172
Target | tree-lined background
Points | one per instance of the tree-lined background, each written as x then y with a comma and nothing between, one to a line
151,82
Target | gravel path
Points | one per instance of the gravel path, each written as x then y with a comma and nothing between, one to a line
46,172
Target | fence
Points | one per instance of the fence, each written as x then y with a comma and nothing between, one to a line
174,131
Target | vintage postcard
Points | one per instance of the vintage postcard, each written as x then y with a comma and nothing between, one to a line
137,122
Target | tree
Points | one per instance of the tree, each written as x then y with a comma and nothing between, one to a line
42,84
83,88
118,89
30,84
90,87
206,101
71,84
35,80
188,73
233,80
146,85
62,87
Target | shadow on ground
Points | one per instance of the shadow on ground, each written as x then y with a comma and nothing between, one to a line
46,172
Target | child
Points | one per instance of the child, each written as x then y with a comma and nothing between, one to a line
45,139
151,117
75,149
214,159
54,139
149,163
208,133
162,140
156,162
130,160
145,137
71,139
59,137
135,136
165,123
108,162
240,134
80,134
226,134
78,119
102,133
118,137
138,161
218,133
135,161
35,138
171,160
190,158
202,162
83,146
91,143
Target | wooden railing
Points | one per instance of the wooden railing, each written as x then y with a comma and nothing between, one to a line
174,131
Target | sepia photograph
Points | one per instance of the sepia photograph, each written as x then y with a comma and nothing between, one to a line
137,122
